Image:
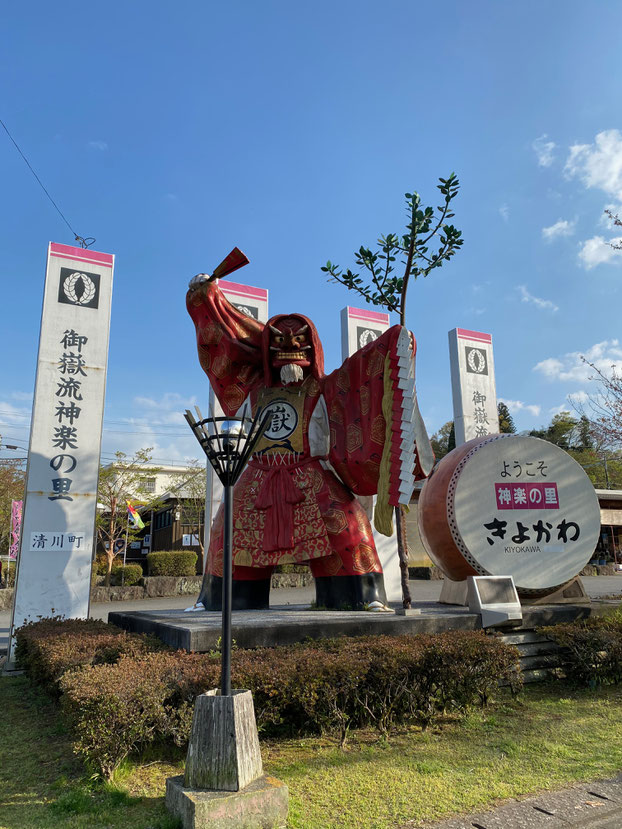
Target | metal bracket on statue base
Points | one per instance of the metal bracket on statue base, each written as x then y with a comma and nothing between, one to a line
454,592
224,786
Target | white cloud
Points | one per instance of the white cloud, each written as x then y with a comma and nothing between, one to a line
504,212
14,422
560,229
559,409
598,251
519,406
169,401
599,164
544,304
157,423
98,145
572,367
578,398
544,150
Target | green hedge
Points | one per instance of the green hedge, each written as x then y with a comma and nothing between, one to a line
592,649
119,697
172,563
128,574
49,648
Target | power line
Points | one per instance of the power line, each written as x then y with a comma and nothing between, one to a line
85,243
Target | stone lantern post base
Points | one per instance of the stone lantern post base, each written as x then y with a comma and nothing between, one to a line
224,786
261,805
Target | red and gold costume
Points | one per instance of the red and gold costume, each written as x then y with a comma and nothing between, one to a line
361,421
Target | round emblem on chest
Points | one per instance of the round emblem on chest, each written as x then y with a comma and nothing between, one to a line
284,420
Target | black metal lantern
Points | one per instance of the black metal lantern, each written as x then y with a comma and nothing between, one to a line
228,443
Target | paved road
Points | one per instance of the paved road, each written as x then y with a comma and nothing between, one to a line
421,591
596,805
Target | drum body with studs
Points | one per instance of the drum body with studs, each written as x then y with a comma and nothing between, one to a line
510,505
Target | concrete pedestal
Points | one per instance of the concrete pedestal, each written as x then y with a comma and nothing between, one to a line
261,805
224,786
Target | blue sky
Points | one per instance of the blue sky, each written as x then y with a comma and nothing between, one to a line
172,132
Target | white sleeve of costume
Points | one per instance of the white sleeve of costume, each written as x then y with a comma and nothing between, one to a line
319,430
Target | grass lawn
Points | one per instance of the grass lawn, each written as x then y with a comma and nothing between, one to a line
549,738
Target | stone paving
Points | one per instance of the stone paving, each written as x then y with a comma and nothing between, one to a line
594,805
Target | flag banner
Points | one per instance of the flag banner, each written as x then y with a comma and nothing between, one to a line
54,578
134,516
16,527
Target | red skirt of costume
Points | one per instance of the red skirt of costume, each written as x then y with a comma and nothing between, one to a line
290,513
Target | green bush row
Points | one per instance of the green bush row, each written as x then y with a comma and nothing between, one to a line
172,563
592,649
119,696
126,574
49,648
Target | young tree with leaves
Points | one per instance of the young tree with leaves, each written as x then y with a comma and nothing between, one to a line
190,490
123,480
378,284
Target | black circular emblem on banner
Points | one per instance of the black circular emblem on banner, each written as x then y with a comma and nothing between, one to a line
78,288
476,362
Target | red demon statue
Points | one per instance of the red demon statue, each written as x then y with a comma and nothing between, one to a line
355,432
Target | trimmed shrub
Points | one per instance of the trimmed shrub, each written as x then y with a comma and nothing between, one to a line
592,649
115,709
128,574
172,563
47,649
118,696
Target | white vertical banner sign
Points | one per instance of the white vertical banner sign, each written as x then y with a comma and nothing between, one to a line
58,522
473,384
254,303
358,328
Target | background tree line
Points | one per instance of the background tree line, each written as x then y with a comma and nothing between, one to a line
588,442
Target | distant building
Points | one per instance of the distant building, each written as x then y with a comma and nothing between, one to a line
177,520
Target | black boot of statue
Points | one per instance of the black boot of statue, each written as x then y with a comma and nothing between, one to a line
246,595
349,592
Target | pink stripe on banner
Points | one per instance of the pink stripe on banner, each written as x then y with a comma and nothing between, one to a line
373,316
81,255
242,290
465,334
